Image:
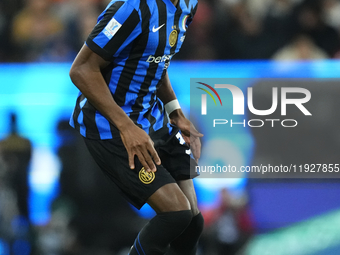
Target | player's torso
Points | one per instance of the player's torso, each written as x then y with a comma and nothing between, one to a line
162,32
139,37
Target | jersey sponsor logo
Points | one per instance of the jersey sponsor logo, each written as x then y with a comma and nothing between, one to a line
156,29
173,38
159,59
146,177
111,28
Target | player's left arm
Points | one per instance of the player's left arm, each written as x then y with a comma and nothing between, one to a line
191,136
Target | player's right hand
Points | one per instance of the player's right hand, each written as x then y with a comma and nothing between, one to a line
138,143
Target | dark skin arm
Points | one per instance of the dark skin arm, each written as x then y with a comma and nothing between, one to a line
190,135
85,74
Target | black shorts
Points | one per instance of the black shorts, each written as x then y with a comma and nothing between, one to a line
136,184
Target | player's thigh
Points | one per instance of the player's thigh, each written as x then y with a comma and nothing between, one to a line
169,198
187,187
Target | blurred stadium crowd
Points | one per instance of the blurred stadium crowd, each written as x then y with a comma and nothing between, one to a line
54,30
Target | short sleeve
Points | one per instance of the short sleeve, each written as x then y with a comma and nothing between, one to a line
117,27
192,14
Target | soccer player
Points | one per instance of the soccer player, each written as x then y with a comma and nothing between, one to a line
125,93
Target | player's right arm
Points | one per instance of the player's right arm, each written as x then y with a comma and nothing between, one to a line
86,75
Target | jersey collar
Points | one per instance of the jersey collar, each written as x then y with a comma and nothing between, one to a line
170,5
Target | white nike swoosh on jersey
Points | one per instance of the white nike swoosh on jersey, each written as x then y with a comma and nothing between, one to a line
156,29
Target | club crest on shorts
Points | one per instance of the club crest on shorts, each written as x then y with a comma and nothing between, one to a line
173,37
146,177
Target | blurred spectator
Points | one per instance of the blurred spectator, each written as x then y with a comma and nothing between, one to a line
79,18
16,152
8,9
228,227
310,21
302,48
238,33
37,33
331,13
8,202
278,24
57,238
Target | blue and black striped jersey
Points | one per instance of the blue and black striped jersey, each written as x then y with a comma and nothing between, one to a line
139,38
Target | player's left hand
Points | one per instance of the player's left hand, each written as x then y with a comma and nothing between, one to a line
189,133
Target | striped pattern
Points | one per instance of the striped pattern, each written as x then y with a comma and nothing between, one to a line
134,36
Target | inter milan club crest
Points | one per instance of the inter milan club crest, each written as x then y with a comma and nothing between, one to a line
146,177
173,38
